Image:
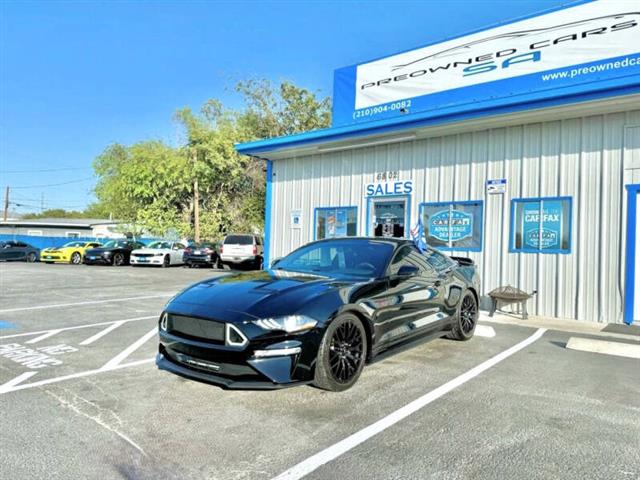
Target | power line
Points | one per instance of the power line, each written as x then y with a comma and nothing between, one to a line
45,170
54,184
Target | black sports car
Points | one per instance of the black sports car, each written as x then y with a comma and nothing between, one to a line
18,251
205,253
114,252
317,315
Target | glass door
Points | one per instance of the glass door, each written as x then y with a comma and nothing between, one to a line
388,217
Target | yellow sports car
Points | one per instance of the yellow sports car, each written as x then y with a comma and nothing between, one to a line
72,252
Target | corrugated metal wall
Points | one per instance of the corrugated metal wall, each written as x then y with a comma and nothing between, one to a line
580,157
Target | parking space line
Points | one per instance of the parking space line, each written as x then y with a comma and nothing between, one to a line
50,333
86,373
92,302
6,387
115,361
26,334
331,453
102,333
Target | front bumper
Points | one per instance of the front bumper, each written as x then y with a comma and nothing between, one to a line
146,260
198,259
97,260
247,368
54,258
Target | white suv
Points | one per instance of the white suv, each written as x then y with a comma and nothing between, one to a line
242,249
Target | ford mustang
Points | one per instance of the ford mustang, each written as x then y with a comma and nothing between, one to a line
318,315
72,252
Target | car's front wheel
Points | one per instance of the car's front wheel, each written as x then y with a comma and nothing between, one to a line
166,262
341,355
466,318
118,259
76,258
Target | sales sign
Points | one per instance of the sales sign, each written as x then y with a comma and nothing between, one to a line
450,225
575,50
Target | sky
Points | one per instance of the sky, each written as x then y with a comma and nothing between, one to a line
77,76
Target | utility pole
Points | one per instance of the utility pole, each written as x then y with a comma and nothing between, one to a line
196,200
41,202
6,203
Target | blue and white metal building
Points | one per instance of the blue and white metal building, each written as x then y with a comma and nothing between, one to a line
518,146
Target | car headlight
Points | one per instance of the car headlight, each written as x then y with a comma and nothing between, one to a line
289,324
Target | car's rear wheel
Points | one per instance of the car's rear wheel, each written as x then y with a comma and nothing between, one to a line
76,258
466,318
166,262
118,259
341,355
31,257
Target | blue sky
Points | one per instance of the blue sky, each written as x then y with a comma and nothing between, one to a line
76,76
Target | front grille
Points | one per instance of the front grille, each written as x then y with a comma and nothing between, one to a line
196,328
144,255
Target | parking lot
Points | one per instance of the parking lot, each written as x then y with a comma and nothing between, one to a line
81,398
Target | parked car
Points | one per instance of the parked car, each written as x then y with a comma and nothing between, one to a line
161,253
114,252
241,250
18,251
72,252
202,254
318,315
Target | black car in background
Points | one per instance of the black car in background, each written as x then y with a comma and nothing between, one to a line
18,251
114,252
202,254
318,315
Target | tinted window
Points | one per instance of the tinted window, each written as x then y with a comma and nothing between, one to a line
410,255
158,245
238,240
74,244
360,258
20,244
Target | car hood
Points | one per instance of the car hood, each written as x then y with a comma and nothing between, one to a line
251,295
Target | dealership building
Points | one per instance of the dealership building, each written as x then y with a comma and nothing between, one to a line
517,146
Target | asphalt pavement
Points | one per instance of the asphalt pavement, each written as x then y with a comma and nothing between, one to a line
81,398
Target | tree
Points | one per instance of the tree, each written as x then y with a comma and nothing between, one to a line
165,188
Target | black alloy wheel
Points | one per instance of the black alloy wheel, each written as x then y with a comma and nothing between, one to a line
166,262
76,258
118,259
31,257
466,318
342,354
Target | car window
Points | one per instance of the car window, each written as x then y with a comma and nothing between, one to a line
73,244
361,258
410,255
438,261
179,246
159,245
238,240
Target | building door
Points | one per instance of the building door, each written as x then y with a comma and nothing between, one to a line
632,280
388,217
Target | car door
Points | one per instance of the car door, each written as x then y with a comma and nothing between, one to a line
5,250
19,251
412,302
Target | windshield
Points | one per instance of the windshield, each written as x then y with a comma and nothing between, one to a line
238,240
360,258
159,245
115,244
73,244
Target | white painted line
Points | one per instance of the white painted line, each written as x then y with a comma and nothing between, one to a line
50,333
618,349
26,334
75,375
115,361
485,331
102,333
7,387
328,454
92,302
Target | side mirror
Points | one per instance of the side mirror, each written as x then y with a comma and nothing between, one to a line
408,271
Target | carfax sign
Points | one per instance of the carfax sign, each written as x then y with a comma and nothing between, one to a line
569,51
451,225
547,235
